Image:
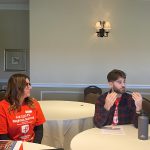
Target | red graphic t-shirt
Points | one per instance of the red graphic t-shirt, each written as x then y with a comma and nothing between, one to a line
20,125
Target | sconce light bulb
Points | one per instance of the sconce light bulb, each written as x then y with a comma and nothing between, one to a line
98,25
103,28
107,25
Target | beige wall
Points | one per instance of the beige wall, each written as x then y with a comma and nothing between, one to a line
14,34
65,49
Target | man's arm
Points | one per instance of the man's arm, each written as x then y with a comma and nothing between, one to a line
133,114
136,107
101,114
135,118
103,108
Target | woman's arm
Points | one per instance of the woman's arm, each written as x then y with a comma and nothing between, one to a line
38,130
4,137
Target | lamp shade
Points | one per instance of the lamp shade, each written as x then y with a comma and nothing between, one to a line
98,25
107,25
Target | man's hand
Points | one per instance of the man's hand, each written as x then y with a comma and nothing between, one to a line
110,99
138,100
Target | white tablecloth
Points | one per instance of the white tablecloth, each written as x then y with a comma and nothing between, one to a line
34,146
95,139
65,119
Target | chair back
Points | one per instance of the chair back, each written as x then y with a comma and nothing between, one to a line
91,94
2,94
146,106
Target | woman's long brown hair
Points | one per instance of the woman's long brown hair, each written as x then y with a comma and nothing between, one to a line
15,90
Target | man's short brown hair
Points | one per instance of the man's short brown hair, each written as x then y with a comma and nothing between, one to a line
115,74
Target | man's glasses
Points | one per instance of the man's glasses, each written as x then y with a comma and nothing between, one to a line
120,82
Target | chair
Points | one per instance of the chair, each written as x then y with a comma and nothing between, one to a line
146,106
91,94
2,94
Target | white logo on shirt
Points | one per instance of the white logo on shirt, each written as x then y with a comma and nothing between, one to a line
24,128
28,111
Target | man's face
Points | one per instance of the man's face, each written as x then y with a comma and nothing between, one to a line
118,86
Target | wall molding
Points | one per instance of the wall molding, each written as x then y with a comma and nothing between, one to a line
74,92
62,85
14,6
58,92
3,80
79,86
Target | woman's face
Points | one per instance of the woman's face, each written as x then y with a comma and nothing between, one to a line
27,89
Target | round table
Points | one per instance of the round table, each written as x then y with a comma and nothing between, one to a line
66,110
94,138
65,119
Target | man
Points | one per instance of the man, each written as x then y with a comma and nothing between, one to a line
117,106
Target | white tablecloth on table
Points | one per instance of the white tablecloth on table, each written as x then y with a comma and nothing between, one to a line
65,119
97,139
34,146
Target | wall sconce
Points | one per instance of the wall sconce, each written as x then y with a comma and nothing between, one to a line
103,28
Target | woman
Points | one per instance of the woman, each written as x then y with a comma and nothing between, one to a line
21,117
